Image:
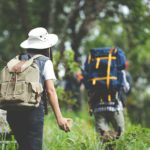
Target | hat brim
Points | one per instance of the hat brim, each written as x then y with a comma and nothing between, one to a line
52,39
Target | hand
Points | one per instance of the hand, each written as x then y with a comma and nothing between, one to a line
65,124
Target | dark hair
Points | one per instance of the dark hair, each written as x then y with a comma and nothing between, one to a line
46,52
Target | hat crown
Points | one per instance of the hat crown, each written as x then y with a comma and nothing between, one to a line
37,32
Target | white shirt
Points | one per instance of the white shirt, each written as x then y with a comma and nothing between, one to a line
48,72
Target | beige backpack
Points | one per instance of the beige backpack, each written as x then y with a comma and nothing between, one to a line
20,85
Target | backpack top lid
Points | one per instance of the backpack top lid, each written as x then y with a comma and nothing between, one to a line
16,65
103,51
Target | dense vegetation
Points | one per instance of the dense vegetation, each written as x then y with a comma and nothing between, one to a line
83,136
81,25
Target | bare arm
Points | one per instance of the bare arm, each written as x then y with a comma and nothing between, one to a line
52,96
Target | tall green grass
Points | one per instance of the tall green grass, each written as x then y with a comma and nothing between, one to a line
7,142
83,135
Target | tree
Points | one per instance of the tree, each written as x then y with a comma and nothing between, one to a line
71,20
83,24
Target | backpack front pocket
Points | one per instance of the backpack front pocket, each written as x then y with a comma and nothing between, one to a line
13,91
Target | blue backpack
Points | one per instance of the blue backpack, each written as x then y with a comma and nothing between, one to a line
103,70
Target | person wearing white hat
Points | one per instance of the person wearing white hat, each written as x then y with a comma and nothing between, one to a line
27,126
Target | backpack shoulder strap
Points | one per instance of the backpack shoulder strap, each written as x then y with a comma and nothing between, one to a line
34,57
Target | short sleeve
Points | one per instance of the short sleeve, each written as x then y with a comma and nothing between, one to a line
48,72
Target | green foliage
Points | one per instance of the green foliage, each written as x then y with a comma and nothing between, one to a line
139,112
86,24
67,62
83,135
1,65
7,143
65,97
70,65
135,138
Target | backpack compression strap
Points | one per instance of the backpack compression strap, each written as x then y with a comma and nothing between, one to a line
108,72
101,58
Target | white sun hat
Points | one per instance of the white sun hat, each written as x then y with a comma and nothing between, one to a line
39,38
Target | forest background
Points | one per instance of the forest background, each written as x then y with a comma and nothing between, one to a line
80,26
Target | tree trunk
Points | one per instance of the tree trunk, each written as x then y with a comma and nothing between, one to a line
23,13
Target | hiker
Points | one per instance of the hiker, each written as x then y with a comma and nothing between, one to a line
27,125
103,77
